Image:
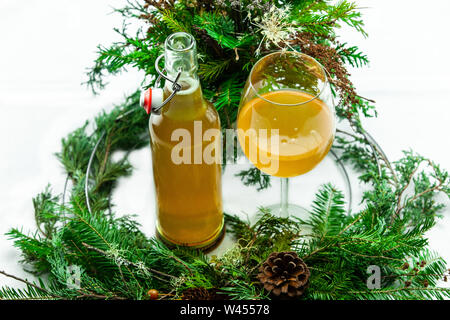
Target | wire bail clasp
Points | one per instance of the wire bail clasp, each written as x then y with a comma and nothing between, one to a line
152,98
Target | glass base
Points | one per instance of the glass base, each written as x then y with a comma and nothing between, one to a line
206,246
291,210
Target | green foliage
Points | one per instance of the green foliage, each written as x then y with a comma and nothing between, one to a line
254,177
352,55
230,38
327,214
321,17
34,248
211,70
218,27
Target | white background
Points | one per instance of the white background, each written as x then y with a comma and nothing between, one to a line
47,44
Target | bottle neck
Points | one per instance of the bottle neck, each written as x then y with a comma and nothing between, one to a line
181,56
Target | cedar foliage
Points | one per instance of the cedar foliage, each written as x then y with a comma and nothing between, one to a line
115,260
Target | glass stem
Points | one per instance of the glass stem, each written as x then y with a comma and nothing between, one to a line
284,198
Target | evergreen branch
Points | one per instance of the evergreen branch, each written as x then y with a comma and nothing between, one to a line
328,212
211,70
90,295
218,27
229,94
175,24
404,289
138,266
30,284
254,177
352,55
368,256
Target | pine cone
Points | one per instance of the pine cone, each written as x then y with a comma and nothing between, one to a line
284,274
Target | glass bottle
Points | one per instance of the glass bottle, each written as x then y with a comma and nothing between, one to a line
185,137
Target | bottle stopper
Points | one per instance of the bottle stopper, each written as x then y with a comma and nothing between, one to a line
151,99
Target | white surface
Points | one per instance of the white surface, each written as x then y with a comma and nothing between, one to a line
47,44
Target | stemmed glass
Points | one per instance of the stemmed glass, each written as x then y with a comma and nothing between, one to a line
286,121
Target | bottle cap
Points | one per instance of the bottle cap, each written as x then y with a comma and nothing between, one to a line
151,98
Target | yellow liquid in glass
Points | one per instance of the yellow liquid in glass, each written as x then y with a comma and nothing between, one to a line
305,132
189,196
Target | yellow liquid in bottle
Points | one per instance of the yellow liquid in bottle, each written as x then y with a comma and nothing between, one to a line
189,196
306,132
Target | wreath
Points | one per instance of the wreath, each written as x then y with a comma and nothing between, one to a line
83,249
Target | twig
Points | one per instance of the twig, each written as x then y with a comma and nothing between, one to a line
375,149
436,187
415,197
400,196
31,284
316,251
98,296
402,289
131,263
368,256
349,134
350,225
105,158
383,156
437,275
183,263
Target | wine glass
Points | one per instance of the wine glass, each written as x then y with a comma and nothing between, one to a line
286,120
